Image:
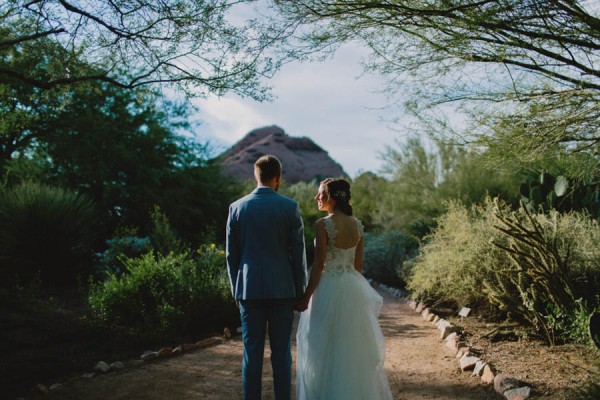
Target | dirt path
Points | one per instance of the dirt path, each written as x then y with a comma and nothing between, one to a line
419,367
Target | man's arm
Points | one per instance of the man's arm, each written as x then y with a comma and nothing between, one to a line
232,249
298,252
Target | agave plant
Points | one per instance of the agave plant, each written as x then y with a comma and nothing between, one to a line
46,231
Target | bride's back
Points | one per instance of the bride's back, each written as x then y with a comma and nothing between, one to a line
346,231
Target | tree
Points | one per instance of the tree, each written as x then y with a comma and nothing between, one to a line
189,43
121,147
368,190
425,176
534,63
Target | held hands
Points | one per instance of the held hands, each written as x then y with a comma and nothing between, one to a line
301,303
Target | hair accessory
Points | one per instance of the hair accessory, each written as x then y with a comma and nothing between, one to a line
339,194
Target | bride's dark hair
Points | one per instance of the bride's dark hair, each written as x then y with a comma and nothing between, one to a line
339,190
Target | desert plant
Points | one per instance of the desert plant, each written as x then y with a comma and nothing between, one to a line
385,256
164,239
46,231
126,243
545,272
457,257
166,295
561,193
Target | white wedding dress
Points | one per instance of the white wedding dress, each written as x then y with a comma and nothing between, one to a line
340,346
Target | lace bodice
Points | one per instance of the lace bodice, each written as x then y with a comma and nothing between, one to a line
339,260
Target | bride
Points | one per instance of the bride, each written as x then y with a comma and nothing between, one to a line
340,346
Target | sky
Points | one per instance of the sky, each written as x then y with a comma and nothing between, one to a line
331,102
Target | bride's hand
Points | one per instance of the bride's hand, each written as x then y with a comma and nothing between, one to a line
301,304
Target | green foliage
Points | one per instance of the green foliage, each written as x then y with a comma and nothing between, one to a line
23,169
164,240
189,44
524,97
48,231
202,196
167,295
573,325
549,280
541,269
560,193
425,175
116,146
120,147
458,258
304,193
556,134
368,191
125,244
385,256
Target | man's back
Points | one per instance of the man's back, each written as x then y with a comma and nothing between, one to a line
266,246
267,272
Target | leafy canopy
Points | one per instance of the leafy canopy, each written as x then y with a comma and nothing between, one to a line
193,44
525,73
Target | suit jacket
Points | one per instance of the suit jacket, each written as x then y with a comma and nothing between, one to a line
265,247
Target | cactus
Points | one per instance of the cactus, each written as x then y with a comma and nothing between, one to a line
548,192
540,274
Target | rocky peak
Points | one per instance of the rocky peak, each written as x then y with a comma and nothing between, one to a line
302,159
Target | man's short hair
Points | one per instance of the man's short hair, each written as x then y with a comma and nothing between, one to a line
267,167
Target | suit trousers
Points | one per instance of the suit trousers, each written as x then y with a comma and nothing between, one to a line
275,316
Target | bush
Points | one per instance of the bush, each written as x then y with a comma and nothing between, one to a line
554,269
128,244
125,244
166,295
46,231
385,256
458,257
164,240
540,269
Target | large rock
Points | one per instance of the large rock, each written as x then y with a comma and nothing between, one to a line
503,382
468,362
521,393
302,159
102,366
487,375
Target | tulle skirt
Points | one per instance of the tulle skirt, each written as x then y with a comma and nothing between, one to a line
340,346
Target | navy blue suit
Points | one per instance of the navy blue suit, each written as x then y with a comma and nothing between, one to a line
266,263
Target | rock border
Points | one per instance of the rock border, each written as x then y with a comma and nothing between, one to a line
103,367
509,387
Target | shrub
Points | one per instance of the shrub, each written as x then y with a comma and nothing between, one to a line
554,269
164,239
125,244
540,269
46,231
166,295
128,244
385,256
458,257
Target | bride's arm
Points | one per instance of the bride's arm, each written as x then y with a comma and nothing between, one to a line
359,255
317,267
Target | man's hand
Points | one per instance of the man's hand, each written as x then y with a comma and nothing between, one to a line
301,304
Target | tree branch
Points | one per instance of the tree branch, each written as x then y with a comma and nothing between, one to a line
21,39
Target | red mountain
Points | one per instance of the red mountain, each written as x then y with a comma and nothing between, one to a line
302,159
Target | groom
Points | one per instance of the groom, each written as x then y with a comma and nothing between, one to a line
267,272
